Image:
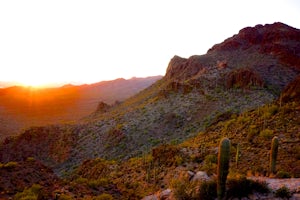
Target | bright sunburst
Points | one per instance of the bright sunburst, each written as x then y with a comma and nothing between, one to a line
33,81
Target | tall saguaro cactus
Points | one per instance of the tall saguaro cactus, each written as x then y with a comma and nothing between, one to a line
237,155
223,166
273,154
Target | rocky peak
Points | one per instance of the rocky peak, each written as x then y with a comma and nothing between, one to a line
269,34
278,43
278,39
183,68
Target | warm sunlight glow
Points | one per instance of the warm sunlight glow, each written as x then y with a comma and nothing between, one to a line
73,41
34,81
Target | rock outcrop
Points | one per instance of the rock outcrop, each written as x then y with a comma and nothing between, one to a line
292,91
261,56
243,78
184,68
277,39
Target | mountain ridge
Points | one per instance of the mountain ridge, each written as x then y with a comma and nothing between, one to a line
196,94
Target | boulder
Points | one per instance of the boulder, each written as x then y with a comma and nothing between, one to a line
165,194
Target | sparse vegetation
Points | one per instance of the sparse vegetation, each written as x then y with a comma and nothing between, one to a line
134,148
242,187
283,174
283,192
32,193
9,165
208,190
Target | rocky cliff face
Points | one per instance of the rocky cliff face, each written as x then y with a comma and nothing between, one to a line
276,39
271,52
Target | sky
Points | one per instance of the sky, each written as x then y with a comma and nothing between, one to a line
85,41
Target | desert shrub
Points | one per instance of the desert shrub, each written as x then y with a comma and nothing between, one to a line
166,155
210,164
283,174
211,158
81,180
65,197
295,170
273,109
207,190
253,131
266,134
30,159
260,186
283,192
242,187
297,152
31,193
238,188
101,182
104,196
184,189
10,165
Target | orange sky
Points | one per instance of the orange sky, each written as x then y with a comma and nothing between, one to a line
62,41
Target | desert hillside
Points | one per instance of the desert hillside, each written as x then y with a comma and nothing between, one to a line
245,88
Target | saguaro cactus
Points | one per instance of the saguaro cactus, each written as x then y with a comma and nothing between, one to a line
237,155
273,154
223,166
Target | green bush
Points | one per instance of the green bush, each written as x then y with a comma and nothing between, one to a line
266,134
184,189
252,133
283,174
32,193
208,190
104,196
30,159
81,180
260,187
238,188
242,187
10,165
101,182
65,197
211,158
283,192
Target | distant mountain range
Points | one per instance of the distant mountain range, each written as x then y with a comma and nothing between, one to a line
22,107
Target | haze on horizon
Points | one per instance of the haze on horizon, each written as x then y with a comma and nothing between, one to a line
73,41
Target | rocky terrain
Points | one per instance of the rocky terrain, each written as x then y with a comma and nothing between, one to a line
246,88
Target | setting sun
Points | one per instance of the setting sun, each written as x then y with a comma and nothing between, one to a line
36,80
60,42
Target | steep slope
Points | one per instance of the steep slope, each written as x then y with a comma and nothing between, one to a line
194,94
252,131
24,107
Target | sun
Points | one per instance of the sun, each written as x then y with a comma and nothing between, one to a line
34,81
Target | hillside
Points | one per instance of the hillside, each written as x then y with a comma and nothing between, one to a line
22,107
158,170
230,91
